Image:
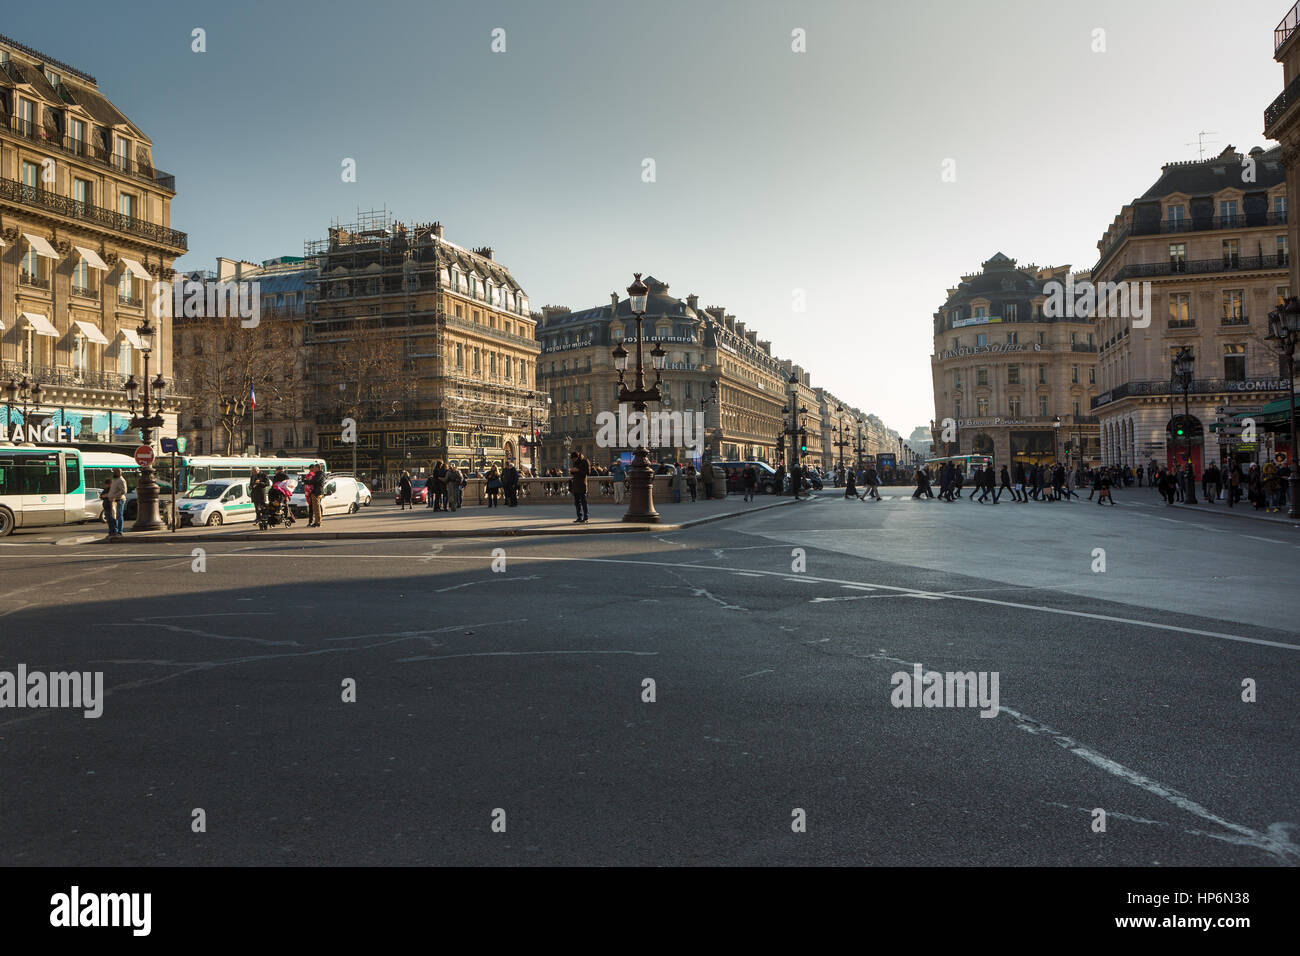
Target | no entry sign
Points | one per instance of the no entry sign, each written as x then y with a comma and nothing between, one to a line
144,456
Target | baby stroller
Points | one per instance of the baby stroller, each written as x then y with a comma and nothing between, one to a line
276,511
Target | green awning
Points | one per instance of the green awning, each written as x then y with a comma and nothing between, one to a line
1273,412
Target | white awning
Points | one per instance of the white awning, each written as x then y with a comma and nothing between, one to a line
92,258
133,267
131,336
40,324
42,246
91,331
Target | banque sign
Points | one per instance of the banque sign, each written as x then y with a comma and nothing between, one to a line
979,349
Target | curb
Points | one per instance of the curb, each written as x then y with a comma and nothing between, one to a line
629,528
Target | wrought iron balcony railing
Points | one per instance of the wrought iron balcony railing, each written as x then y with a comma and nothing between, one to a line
1201,266
52,139
1200,386
37,198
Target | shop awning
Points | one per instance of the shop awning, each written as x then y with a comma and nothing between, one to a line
133,267
131,336
91,331
42,246
40,324
92,258
1275,411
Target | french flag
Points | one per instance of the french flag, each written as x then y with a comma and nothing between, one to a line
252,398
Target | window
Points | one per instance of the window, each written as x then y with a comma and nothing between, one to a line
31,175
26,116
1279,206
52,78
1076,408
1180,306
476,363
1042,406
1283,293
1074,374
1227,211
77,136
1013,374
981,339
81,276
1282,250
81,194
1231,253
268,438
492,364
1092,375
1178,256
981,311
1009,313
955,343
1013,338
1233,304
126,288
126,205
1234,362
1014,405
1175,214
956,408
121,152
1042,375
981,376
1042,338
80,359
125,358
981,407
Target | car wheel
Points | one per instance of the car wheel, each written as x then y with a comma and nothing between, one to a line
214,520
6,522
353,508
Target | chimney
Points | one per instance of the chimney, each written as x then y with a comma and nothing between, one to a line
751,335
613,303
693,302
765,346
485,252
437,229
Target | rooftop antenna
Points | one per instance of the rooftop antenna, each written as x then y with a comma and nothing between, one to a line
1200,142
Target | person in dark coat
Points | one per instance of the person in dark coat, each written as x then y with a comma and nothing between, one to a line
579,469
749,481
404,492
510,484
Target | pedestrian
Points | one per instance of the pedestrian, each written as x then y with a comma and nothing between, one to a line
257,486
579,469
749,480
314,491
870,484
455,484
510,484
404,492
678,481
1105,491
706,479
492,480
691,478
619,474
437,487
850,484
922,484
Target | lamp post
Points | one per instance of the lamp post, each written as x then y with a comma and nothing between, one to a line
705,401
23,391
534,436
640,479
1056,437
1284,330
1184,365
147,517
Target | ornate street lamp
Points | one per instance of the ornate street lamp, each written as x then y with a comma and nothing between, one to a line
1284,331
1184,365
25,392
147,517
1056,439
640,477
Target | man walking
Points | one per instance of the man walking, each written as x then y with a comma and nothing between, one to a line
115,496
510,484
315,490
619,474
579,469
749,479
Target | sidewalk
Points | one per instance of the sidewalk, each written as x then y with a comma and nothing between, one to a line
383,520
1149,497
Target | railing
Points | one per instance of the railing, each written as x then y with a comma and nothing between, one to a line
1286,27
1204,386
15,191
130,300
72,377
1201,266
1082,347
1182,323
52,139
36,282
86,292
484,329
1235,320
1193,224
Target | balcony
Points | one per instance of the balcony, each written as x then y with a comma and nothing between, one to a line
68,377
1235,320
1252,220
1182,324
1286,27
1082,347
1170,267
52,139
130,301
85,292
33,281
1205,386
36,198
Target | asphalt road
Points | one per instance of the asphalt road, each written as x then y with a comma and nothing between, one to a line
772,641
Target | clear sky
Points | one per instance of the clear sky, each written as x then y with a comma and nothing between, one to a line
774,170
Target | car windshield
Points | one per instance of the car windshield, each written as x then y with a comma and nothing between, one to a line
206,491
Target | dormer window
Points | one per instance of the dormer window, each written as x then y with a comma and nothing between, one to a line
53,78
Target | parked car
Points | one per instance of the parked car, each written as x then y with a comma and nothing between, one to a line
419,492
216,501
735,470
130,505
343,496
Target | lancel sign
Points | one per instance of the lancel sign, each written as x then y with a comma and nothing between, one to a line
47,434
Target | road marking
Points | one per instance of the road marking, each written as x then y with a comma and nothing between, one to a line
757,673
1276,842
448,657
1269,540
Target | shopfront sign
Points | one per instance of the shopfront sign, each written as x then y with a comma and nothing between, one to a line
46,434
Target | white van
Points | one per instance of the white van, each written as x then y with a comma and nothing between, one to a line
344,495
216,501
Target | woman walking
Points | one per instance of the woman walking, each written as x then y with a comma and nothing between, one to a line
493,486
404,492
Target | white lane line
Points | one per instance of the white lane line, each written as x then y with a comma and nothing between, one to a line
757,673
1276,842
448,657
1065,612
1269,540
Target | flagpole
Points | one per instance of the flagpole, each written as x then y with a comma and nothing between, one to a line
253,428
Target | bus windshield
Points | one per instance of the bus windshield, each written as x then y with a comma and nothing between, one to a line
205,491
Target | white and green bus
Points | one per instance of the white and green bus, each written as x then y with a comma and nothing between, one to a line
40,487
198,468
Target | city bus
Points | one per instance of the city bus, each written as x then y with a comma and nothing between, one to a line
197,468
40,487
967,463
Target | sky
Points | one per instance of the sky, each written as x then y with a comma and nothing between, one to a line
780,177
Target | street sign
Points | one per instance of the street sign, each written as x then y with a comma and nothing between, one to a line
169,446
180,445
144,456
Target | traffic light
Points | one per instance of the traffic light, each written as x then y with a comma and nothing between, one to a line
1179,431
